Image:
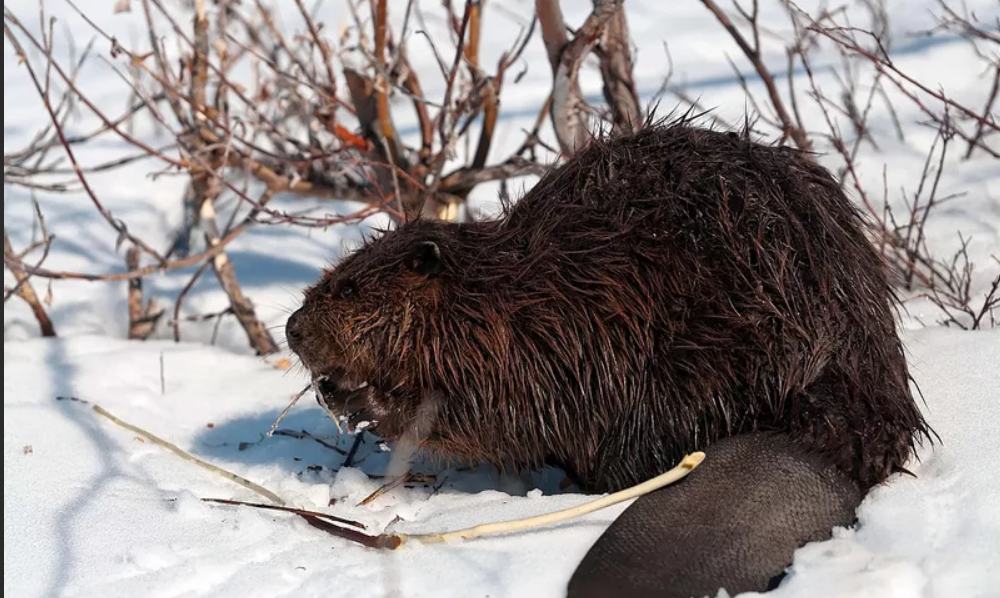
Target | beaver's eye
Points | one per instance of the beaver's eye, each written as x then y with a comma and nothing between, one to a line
347,289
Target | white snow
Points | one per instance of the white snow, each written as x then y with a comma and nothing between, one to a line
91,509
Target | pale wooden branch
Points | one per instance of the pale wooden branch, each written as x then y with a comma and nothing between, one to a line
554,34
260,338
467,178
173,448
686,466
569,111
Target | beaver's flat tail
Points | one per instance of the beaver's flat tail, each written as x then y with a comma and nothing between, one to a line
733,523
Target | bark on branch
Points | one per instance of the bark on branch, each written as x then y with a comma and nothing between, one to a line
617,72
205,188
142,317
569,111
25,291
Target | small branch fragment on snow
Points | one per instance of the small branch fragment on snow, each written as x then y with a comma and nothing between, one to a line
285,411
303,435
387,487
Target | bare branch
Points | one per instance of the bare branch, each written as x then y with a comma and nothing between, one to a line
24,290
619,82
987,112
753,54
566,57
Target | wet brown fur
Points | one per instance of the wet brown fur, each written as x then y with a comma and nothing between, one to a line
655,293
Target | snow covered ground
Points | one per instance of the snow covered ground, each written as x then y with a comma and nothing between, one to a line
91,509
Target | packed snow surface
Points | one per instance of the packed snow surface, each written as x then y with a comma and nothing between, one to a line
91,509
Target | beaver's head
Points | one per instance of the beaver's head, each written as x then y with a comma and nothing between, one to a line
363,328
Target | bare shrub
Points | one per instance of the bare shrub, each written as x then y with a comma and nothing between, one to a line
255,110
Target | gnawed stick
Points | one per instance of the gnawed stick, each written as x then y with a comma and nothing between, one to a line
173,448
320,522
686,466
394,541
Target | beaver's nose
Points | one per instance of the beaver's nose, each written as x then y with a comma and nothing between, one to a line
293,330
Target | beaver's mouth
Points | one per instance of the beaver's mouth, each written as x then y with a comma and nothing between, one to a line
345,400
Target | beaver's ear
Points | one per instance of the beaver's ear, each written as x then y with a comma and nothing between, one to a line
424,258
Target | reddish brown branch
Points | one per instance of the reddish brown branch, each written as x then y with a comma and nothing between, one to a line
324,522
24,290
987,112
115,223
324,51
385,129
74,89
617,72
411,82
753,54
364,98
887,67
13,262
178,305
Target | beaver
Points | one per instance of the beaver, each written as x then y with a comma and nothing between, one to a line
675,289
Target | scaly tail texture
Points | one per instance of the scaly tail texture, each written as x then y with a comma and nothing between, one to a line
733,523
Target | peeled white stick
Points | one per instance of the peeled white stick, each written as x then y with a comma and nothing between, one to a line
686,466
173,448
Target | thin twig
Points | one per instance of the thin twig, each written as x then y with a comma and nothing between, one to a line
753,54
